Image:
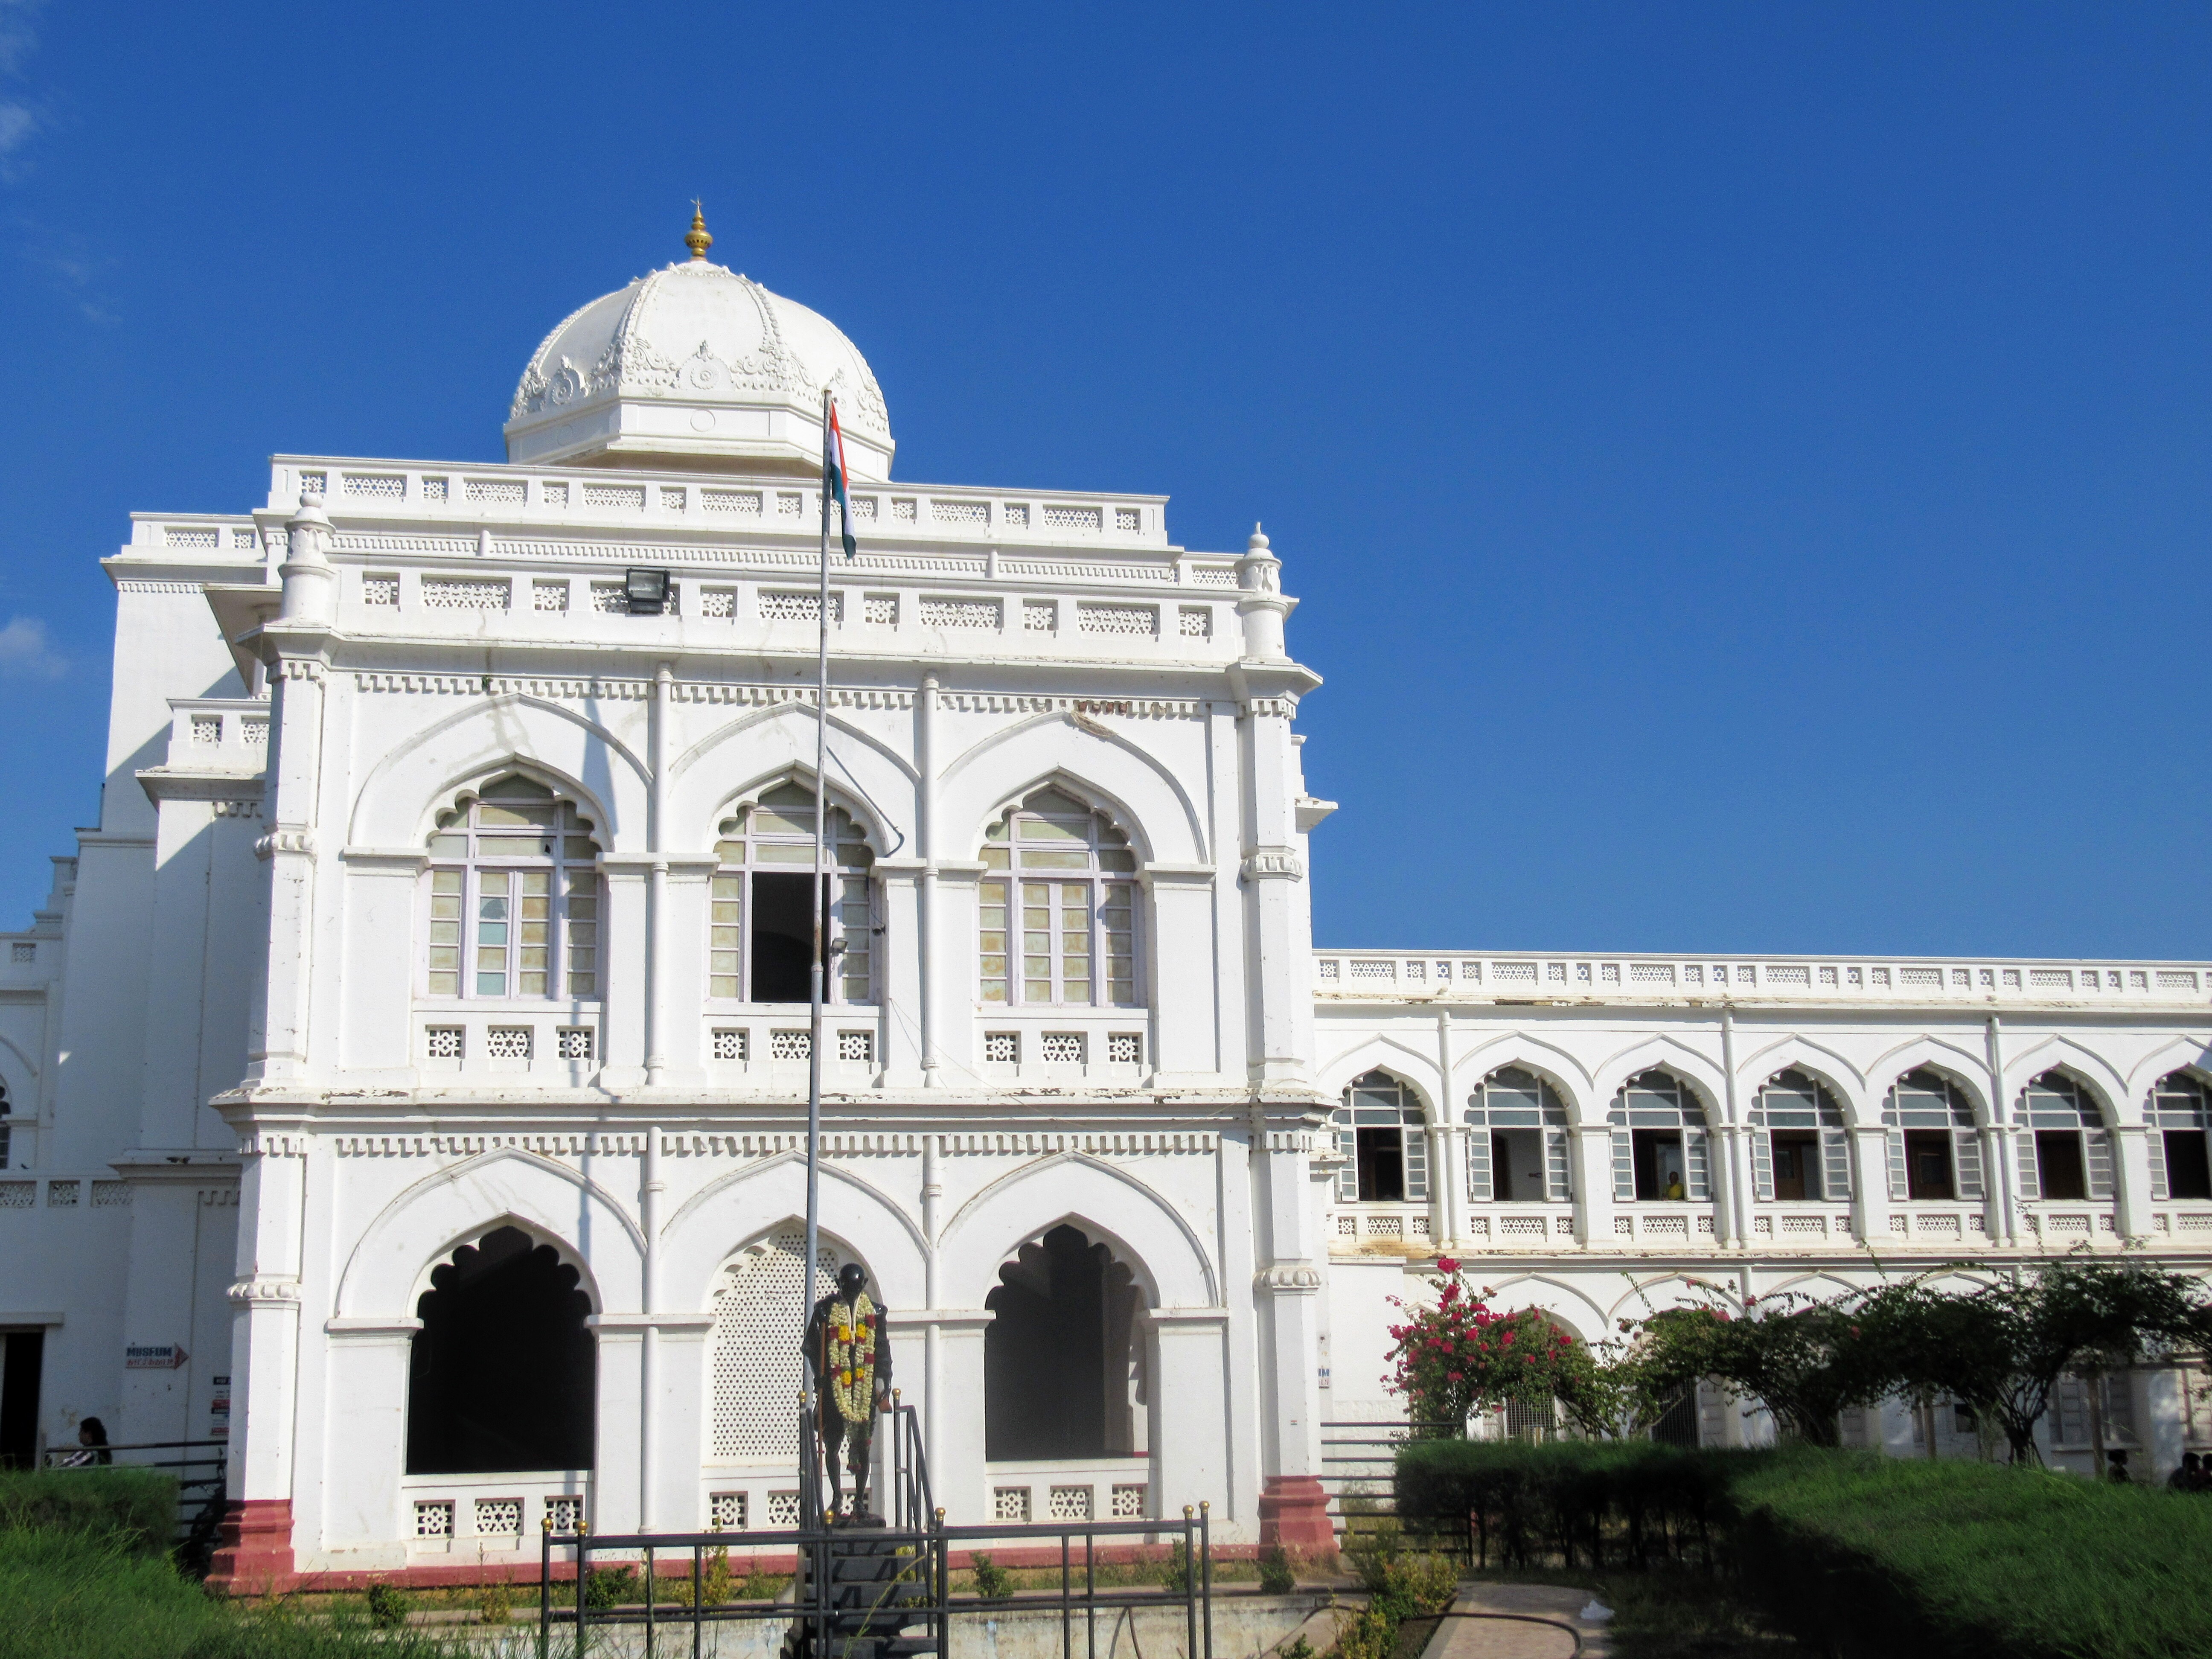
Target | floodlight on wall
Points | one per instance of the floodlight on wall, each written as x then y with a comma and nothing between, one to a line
646,592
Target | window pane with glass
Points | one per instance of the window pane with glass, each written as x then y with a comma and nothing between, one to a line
1058,899
514,896
760,930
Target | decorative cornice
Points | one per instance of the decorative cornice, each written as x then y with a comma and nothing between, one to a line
299,841
1273,864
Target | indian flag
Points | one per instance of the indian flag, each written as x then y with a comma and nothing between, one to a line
833,475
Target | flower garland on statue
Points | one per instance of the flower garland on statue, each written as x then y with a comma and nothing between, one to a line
852,1357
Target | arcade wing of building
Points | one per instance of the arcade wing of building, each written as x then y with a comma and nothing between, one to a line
405,1081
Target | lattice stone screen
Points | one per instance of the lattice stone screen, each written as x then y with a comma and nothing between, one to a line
756,1360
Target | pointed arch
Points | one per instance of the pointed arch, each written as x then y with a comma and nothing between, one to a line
724,1216
1168,1260
560,747
1662,1053
1381,1053
2055,1052
1563,1071
764,745
1639,1301
424,1224
2175,1054
1830,1069
1146,799
1567,1303
1960,1066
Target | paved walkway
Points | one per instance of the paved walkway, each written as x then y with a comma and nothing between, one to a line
1519,1621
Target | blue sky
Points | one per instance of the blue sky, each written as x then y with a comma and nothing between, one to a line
1744,466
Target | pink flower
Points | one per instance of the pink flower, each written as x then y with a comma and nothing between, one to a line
1446,1265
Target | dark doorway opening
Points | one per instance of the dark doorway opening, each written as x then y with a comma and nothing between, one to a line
1795,1154
22,1358
1928,1163
783,938
2188,1171
1501,1169
503,1374
1060,1353
1380,1157
1660,1171
2059,1164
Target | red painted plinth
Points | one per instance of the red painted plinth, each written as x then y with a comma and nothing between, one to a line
253,1551
1294,1513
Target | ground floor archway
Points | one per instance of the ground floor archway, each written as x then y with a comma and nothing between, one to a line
1064,1366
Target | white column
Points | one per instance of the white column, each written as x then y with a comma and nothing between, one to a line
925,936
655,998
900,978
2131,1196
1870,1182
1189,1423
1179,974
616,1479
955,1409
1590,1146
679,1411
364,1419
1293,1507
255,1550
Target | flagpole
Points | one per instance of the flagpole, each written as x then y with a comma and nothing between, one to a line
806,1464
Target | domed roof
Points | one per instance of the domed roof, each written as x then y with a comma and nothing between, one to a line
695,365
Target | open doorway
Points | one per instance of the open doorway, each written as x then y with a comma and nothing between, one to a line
503,1374
22,1359
1063,1357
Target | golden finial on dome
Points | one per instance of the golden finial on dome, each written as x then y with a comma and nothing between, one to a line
696,238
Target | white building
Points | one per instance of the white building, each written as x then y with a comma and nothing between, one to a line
407,1076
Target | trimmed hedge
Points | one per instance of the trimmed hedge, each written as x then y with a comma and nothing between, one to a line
1863,1557
75,1595
137,1507
1888,1557
1589,1503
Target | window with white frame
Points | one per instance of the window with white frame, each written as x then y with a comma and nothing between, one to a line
2064,1150
761,928
515,898
2179,1112
1659,1142
1800,1147
1934,1150
1517,1143
1379,1129
1062,877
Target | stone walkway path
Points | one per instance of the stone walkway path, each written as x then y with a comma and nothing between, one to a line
1519,1621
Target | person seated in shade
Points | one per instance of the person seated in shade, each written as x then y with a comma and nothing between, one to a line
2188,1477
2116,1468
92,1447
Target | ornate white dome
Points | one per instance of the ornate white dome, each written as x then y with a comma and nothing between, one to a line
695,365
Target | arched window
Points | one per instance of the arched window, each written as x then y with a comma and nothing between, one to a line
1378,1130
1799,1149
503,1375
1069,875
760,937
515,898
1934,1152
1659,1136
1516,1144
1063,1355
755,1351
2064,1153
2179,1112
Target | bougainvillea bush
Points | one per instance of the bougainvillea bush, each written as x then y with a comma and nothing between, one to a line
1459,1353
